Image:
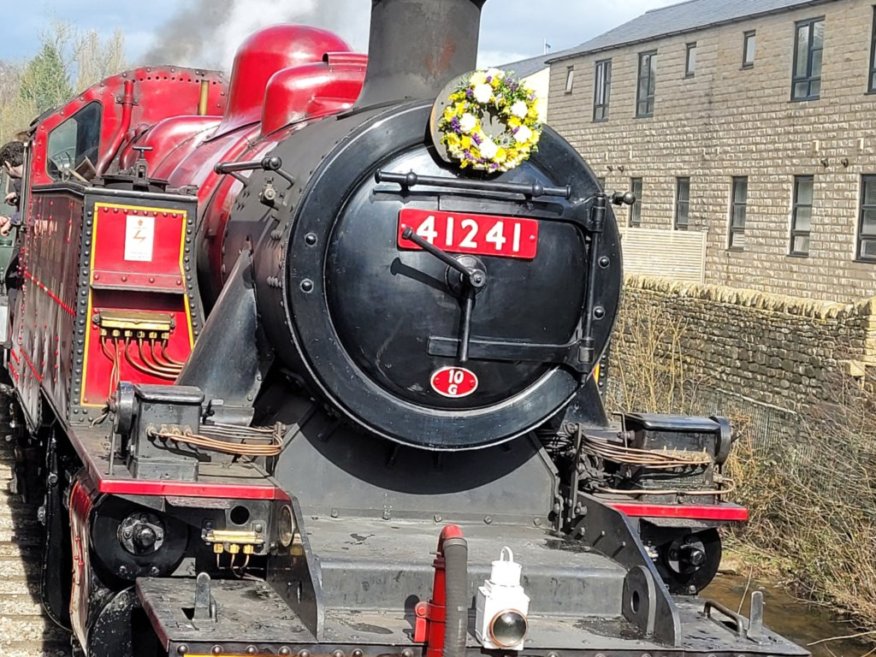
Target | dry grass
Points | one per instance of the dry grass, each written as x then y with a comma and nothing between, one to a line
812,496
814,504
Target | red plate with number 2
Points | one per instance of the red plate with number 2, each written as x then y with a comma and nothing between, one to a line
480,234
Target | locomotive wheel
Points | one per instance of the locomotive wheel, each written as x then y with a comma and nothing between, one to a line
690,562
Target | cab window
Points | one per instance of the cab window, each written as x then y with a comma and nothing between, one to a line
75,142
6,188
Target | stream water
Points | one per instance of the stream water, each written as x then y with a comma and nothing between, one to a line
800,622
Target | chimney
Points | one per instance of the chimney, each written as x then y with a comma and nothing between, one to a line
417,46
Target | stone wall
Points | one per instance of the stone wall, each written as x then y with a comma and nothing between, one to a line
727,121
784,351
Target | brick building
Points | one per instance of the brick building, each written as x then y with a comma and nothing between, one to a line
747,127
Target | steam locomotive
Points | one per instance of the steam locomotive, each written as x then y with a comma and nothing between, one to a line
273,348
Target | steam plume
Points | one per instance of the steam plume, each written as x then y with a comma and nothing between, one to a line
206,33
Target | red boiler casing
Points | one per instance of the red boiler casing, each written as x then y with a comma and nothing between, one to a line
182,122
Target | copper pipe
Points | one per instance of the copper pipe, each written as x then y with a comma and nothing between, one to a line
170,359
127,112
161,359
150,362
144,369
203,97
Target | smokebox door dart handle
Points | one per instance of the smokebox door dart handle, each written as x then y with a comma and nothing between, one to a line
409,234
473,279
465,329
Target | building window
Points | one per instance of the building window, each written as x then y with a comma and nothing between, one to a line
867,223
872,86
738,201
801,215
808,44
647,83
682,203
636,208
570,79
749,44
601,90
690,60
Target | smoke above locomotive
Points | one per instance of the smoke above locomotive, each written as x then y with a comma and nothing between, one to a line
284,333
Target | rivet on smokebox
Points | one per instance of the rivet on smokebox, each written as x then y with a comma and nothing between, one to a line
182,649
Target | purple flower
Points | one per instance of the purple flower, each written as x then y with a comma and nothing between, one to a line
454,123
469,93
476,138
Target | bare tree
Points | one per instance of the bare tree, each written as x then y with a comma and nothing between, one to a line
68,61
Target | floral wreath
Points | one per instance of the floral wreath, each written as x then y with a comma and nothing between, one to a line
477,97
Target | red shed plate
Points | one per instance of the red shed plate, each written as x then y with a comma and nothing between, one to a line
454,382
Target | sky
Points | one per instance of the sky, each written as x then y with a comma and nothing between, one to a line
205,32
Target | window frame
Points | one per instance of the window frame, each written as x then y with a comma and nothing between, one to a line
746,37
649,100
871,82
731,228
860,238
809,78
76,119
603,66
570,80
636,208
676,224
795,205
690,66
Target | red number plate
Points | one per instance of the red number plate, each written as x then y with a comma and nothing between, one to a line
482,234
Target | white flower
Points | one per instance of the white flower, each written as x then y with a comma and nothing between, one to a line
467,122
488,148
478,78
519,109
523,134
495,73
483,93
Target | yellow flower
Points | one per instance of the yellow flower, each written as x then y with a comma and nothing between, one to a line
453,140
466,141
495,82
532,113
449,113
514,122
501,155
